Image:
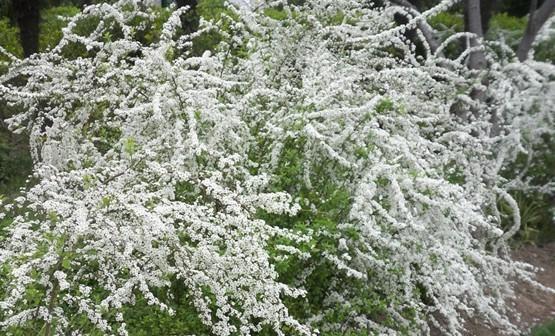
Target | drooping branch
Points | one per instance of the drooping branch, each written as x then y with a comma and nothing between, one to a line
426,30
536,19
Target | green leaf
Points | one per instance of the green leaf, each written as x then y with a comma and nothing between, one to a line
130,146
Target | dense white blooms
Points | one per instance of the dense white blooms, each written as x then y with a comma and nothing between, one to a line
153,166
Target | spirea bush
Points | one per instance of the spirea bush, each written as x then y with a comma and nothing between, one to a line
310,174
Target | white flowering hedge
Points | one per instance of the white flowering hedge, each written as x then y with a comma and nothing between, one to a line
308,175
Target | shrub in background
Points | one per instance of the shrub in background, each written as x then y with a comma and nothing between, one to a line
548,329
9,40
52,21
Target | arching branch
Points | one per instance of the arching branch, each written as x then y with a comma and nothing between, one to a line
426,30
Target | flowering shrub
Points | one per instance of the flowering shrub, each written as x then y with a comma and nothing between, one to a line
306,175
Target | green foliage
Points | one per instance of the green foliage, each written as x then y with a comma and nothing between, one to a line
52,21
507,22
448,23
384,105
547,329
324,207
545,50
130,146
15,164
536,208
454,174
212,10
275,13
508,28
151,33
15,160
144,320
9,39
511,29
447,20
535,215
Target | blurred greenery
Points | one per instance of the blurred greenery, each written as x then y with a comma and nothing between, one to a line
547,329
53,20
9,39
545,50
15,163
447,20
502,26
506,28
537,209
447,24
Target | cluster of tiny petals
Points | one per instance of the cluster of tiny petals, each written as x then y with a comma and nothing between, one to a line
153,165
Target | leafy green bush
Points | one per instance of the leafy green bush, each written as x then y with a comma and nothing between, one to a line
508,28
545,50
536,213
447,24
14,165
447,21
9,39
212,9
52,21
153,30
507,22
547,329
536,207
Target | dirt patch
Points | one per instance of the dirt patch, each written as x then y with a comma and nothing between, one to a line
535,306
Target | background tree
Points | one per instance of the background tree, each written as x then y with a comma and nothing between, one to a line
473,24
538,16
27,16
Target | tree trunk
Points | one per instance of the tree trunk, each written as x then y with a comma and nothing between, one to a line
536,19
473,23
27,15
486,9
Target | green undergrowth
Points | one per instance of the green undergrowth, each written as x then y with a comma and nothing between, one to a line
547,329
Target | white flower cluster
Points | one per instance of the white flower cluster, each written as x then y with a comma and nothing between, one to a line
156,166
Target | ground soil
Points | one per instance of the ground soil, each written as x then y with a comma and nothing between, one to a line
535,306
